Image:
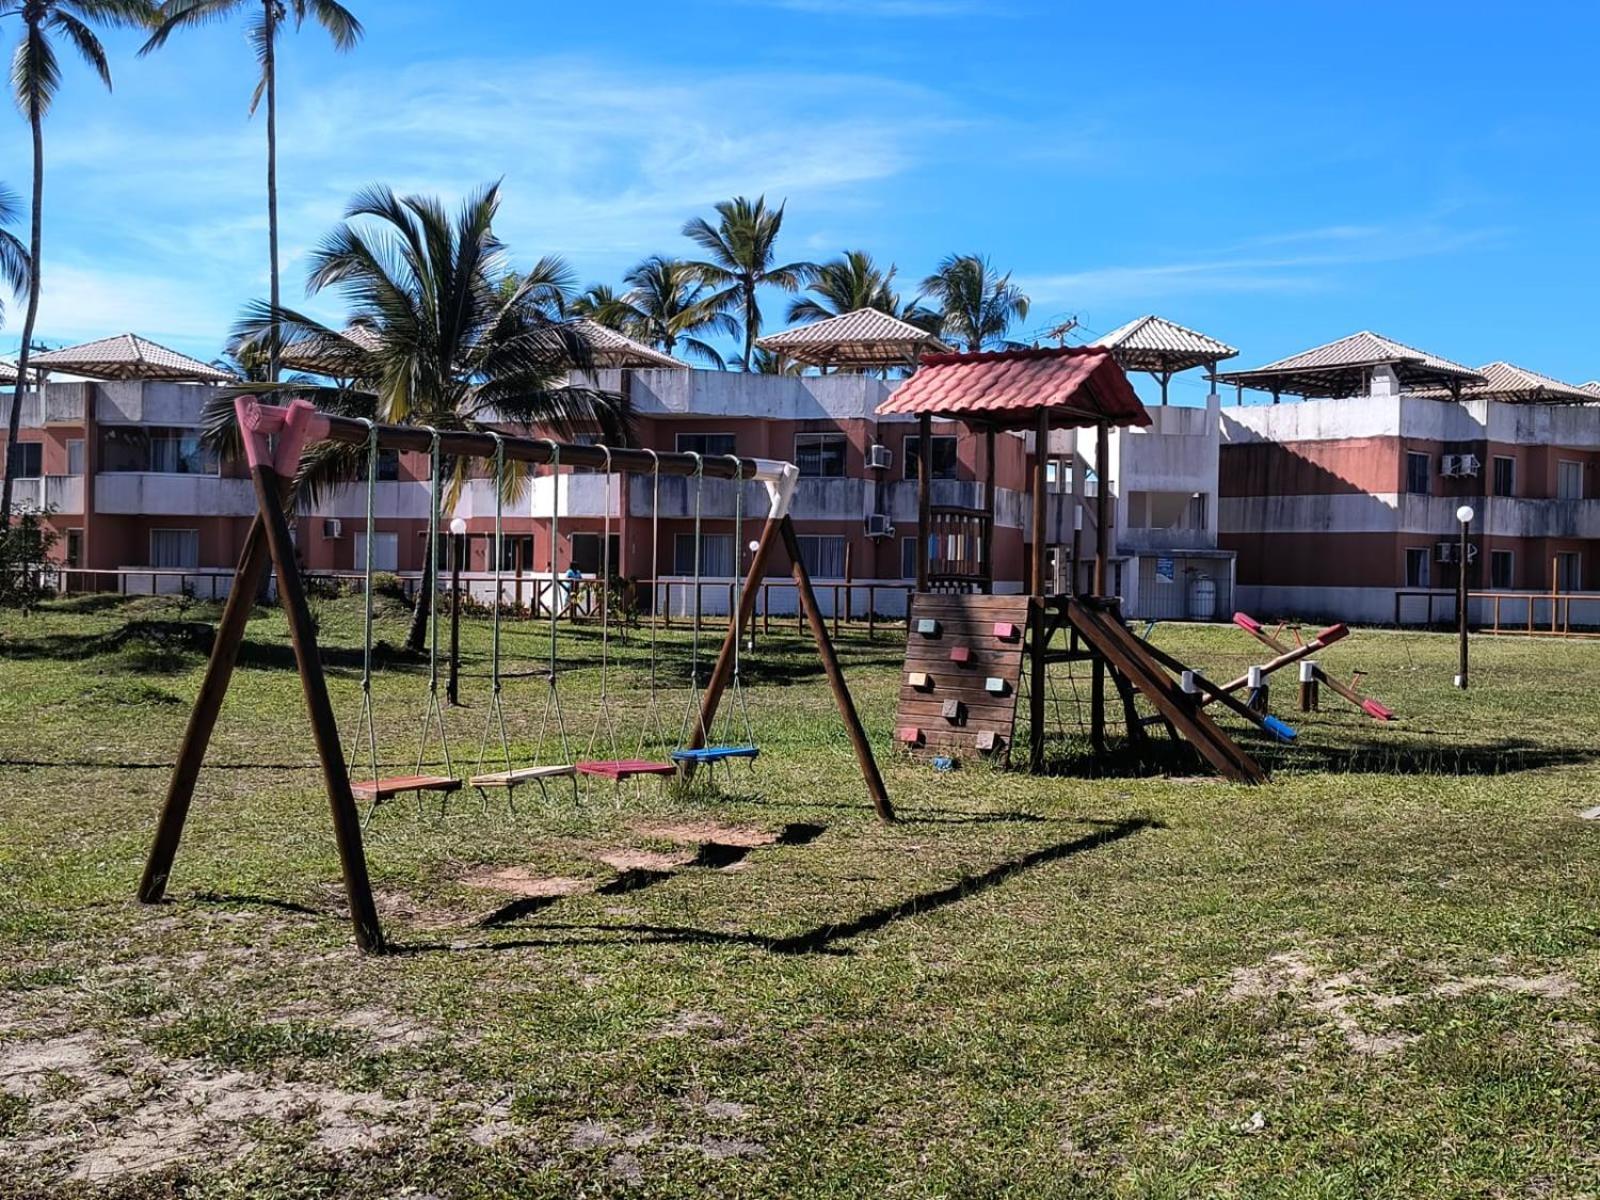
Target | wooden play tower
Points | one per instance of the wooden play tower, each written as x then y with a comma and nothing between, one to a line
968,644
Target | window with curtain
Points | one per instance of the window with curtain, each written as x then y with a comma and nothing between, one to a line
27,459
943,454
716,555
705,444
1501,572
1417,567
820,455
385,551
175,549
1417,466
823,556
157,449
1569,480
75,461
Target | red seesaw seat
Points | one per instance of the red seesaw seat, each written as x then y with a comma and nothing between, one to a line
396,785
626,768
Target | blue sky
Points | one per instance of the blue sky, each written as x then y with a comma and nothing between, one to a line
1276,174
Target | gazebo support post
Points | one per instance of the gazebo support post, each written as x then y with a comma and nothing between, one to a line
1102,582
1040,623
988,508
924,496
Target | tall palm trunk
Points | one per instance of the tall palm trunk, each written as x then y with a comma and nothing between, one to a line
270,66
416,636
36,234
749,321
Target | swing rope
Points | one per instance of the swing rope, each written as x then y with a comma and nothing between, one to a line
735,723
605,720
652,721
691,715
552,698
364,720
432,710
497,711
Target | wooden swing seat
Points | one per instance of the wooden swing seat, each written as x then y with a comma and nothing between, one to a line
714,754
396,785
510,779
626,768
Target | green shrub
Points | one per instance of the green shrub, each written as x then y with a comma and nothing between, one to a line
25,566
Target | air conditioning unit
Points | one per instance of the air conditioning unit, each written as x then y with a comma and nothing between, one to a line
878,525
1445,552
879,458
1468,464
333,528
1450,465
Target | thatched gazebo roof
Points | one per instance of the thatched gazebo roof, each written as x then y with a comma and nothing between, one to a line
864,339
129,356
611,349
1512,384
1344,368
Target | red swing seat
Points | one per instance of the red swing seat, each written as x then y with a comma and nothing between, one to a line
626,768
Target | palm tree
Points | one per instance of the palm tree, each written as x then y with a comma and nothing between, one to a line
265,26
14,265
35,79
976,304
604,305
547,285
445,346
741,250
668,308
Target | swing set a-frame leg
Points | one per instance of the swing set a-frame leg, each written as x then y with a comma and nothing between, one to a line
269,540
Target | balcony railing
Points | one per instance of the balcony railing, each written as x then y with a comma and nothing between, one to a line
155,494
59,404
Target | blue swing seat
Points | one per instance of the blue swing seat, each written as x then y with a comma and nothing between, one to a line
713,754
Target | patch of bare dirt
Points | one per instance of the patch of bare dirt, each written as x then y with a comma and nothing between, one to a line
690,1021
519,881
1335,997
693,833
1554,986
118,1120
645,860
385,1029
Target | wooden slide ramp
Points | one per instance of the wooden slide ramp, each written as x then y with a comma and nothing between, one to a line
1108,637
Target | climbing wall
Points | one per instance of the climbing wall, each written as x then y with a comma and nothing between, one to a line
958,692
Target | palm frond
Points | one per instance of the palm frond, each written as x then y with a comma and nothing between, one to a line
84,41
35,72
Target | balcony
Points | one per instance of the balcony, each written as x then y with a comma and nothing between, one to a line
58,494
60,404
1502,516
137,493
579,495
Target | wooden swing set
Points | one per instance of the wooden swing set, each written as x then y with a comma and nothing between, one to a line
269,545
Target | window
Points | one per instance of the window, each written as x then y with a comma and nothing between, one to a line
1505,475
177,549
75,463
1569,480
27,460
716,555
1057,476
1167,510
1501,569
706,444
1417,468
74,547
388,466
820,454
1417,567
586,553
1569,571
908,558
944,456
823,556
385,551
158,449
516,553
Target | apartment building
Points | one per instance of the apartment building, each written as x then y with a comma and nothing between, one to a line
1343,500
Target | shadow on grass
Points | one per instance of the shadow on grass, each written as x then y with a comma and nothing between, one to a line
822,939
246,900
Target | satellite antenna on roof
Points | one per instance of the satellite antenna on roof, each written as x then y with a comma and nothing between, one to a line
1059,332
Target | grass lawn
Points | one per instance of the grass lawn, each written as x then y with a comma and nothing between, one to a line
1375,976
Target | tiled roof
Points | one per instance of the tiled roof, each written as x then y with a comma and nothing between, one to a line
862,338
1340,368
1592,387
1152,343
1507,381
8,372
613,349
1082,384
128,356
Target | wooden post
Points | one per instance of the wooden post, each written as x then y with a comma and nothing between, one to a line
836,681
924,495
1102,556
849,580
1036,610
254,563
988,509
324,726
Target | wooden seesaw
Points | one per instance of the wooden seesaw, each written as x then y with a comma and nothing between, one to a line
1311,672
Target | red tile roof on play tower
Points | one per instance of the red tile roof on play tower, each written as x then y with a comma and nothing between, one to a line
1082,385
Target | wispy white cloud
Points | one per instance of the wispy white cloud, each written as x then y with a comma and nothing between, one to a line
1280,263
